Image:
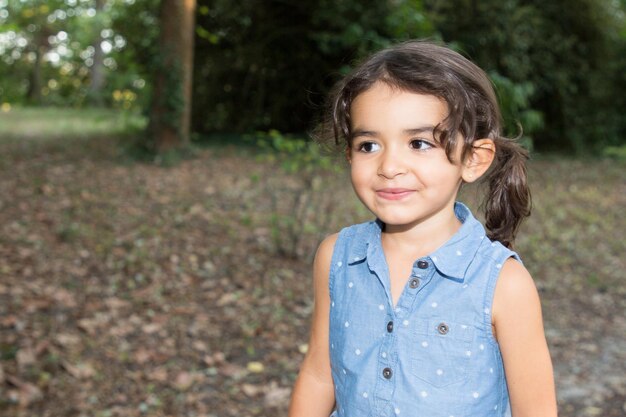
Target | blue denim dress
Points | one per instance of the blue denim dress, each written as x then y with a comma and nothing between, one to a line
431,355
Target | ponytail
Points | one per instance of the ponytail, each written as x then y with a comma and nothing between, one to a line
508,199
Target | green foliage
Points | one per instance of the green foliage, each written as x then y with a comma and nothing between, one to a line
615,152
63,33
171,101
559,67
265,65
514,100
137,24
295,155
303,211
567,52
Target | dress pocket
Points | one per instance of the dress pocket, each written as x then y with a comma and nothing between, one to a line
442,353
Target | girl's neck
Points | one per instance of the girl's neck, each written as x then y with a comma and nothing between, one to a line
423,238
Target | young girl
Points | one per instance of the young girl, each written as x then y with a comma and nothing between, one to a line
423,313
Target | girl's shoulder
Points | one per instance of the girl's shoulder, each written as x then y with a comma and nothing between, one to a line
494,251
326,247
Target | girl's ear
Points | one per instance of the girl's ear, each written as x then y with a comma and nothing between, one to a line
348,155
480,158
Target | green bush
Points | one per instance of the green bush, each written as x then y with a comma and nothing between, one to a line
304,208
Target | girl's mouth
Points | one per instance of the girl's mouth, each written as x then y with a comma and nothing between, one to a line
394,193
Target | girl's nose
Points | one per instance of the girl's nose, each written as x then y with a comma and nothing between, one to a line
391,165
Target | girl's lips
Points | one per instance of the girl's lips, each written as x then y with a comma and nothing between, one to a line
394,193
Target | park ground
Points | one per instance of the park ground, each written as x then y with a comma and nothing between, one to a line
138,289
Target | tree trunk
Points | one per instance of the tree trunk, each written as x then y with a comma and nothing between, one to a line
34,87
170,114
97,69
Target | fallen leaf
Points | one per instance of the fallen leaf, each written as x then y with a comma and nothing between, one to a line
115,303
276,396
151,328
25,357
159,375
255,367
142,355
200,345
27,394
231,370
64,297
183,381
80,371
89,325
252,390
227,298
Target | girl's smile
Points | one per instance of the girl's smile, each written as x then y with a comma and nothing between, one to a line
394,193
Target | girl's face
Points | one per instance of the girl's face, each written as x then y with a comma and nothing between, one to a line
398,169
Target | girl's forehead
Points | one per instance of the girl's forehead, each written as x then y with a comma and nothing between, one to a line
384,104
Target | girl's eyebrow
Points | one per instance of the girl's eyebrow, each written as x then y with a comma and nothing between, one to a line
361,132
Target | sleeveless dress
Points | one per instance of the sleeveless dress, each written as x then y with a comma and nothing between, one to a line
431,355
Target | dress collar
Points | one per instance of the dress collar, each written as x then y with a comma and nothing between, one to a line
452,259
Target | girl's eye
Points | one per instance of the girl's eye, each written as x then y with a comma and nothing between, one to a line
368,147
420,144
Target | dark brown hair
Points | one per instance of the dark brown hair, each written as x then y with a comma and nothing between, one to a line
427,68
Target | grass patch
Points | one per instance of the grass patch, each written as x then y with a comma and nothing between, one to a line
52,123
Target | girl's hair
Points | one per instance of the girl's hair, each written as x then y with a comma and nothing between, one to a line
427,68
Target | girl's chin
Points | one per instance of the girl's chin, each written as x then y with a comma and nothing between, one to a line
397,221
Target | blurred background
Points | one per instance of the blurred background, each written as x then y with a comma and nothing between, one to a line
161,199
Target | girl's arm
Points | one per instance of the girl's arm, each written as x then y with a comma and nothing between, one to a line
519,331
313,394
